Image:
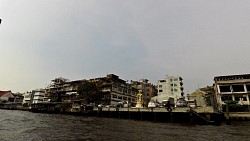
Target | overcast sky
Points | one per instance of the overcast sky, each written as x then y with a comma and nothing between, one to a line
82,39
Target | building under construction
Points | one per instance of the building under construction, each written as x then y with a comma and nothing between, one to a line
62,89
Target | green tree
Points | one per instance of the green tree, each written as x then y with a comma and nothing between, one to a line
90,92
234,106
209,94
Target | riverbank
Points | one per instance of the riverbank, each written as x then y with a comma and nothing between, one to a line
17,125
239,116
203,116
180,114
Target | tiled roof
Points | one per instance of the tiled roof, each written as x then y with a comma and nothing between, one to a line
4,92
9,94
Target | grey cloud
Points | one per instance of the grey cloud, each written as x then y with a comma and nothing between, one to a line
82,39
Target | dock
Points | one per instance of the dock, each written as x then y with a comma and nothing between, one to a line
178,115
238,116
204,116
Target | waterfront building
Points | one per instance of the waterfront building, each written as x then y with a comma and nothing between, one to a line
63,90
37,96
27,98
202,96
232,88
18,97
170,87
147,89
115,90
7,96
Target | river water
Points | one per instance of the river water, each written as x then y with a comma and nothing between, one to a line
27,126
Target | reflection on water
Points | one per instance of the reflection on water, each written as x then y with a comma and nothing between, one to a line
27,126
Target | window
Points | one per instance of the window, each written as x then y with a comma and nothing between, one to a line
119,97
226,97
224,89
172,90
244,98
160,91
248,87
173,85
238,88
125,91
114,96
114,88
27,96
240,97
175,90
176,79
120,89
160,86
129,99
133,93
237,98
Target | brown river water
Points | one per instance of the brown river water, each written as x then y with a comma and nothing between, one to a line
27,126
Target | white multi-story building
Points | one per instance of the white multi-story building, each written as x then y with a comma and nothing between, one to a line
171,86
38,96
27,97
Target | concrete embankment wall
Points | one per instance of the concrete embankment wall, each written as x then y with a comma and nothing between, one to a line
172,117
179,115
238,116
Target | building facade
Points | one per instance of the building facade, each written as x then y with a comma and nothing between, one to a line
147,89
232,88
171,86
26,98
7,96
115,90
37,96
62,90
203,96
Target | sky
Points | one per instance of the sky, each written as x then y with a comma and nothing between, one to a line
81,39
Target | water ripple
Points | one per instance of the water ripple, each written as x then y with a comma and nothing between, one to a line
27,126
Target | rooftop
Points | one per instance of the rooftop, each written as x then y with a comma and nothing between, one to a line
4,92
232,77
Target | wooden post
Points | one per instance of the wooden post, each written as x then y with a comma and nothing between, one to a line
191,115
155,119
227,114
227,111
171,117
129,114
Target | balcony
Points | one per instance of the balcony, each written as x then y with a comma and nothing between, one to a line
181,83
